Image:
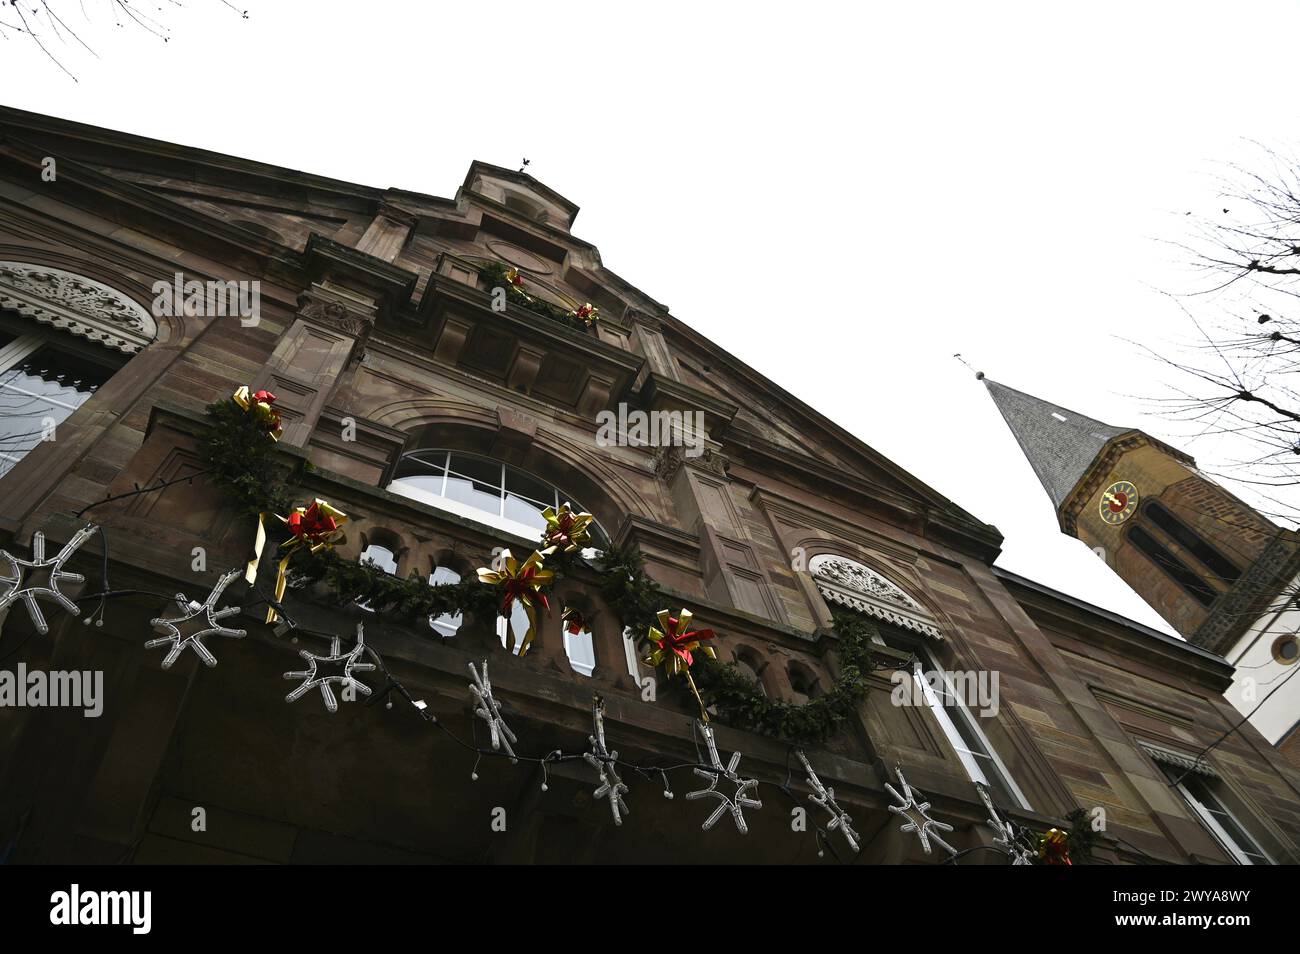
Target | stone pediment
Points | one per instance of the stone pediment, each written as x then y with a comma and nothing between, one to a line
852,585
78,305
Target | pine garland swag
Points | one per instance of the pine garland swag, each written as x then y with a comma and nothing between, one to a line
241,461
494,276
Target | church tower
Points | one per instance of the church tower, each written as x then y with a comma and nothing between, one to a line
1204,560
1218,572
1222,575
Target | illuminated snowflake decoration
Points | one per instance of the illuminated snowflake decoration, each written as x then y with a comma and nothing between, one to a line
825,797
917,815
336,658
602,760
489,710
733,803
53,572
209,617
1006,835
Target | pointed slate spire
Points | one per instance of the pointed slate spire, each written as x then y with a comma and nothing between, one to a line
1059,443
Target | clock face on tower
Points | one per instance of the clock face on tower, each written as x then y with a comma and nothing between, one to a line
1118,502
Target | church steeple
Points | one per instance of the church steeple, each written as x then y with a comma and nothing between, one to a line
1059,443
1203,559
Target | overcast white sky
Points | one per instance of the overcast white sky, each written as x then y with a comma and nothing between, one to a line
842,195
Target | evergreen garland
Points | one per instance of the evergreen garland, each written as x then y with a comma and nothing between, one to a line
494,275
241,459
242,462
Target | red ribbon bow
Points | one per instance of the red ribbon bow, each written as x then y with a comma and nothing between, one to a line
311,524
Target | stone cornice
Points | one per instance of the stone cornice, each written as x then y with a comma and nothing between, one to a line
956,529
387,284
89,189
1095,626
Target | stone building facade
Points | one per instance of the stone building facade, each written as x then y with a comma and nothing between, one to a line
410,402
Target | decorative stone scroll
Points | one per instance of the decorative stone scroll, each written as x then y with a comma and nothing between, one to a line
78,305
861,588
1176,759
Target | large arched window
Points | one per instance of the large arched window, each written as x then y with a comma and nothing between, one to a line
62,336
485,490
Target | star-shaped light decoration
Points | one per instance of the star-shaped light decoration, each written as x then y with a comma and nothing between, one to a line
209,617
1006,836
565,530
726,803
916,813
825,797
674,645
489,710
43,577
313,680
603,761
522,582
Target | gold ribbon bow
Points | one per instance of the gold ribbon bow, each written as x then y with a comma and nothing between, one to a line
522,582
314,527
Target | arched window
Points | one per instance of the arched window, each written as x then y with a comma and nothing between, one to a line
485,490
62,336
1184,536
380,557
1179,571
748,663
446,624
580,649
803,682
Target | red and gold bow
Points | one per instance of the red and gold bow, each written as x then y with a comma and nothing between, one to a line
259,404
522,582
675,643
514,278
1054,848
588,314
574,620
314,527
565,530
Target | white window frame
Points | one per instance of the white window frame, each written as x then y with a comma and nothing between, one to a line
1221,835
30,336
953,733
498,520
445,625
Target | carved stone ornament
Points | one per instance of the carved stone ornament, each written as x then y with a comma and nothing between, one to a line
861,588
78,305
669,460
336,315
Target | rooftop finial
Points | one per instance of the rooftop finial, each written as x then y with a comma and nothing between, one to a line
979,375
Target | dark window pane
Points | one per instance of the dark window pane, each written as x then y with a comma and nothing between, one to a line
413,465
39,393
1176,568
522,485
1215,561
486,472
